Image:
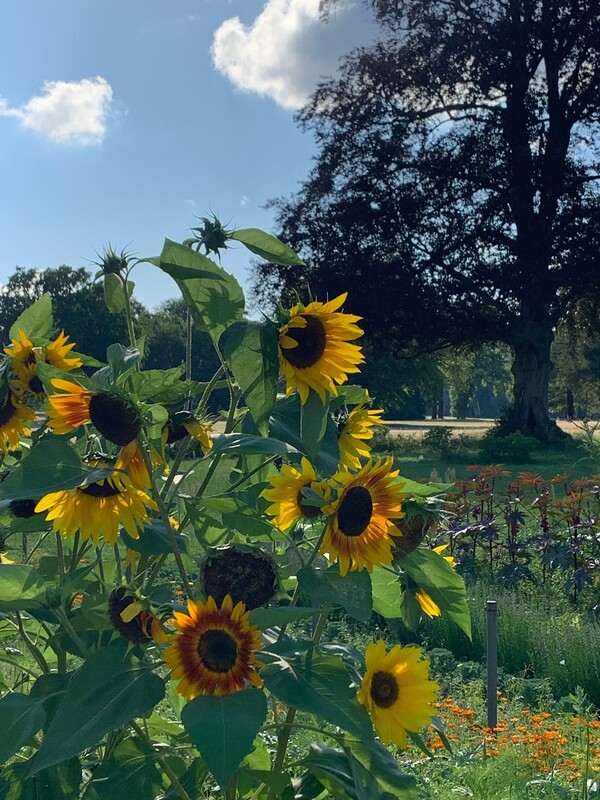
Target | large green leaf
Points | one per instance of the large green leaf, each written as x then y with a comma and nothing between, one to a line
313,424
252,353
379,762
266,246
223,728
352,592
445,586
214,297
36,321
22,717
237,443
319,684
21,587
107,692
60,781
130,772
114,294
51,465
153,540
387,593
286,425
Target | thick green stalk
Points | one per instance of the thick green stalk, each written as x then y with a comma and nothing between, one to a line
33,649
163,764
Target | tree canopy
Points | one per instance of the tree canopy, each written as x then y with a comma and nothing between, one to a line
455,192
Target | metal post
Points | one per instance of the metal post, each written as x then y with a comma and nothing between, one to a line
491,608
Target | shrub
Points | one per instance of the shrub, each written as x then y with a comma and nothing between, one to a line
514,448
439,440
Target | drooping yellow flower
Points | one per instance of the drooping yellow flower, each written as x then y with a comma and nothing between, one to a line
174,431
114,417
359,532
57,354
355,432
396,691
287,503
98,509
428,605
14,419
450,559
4,559
315,350
131,460
213,651
132,620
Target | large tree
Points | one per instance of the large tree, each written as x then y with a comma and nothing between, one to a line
455,191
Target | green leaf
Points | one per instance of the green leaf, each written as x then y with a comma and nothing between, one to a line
114,296
237,443
22,717
156,417
285,424
445,586
51,465
36,321
21,588
387,593
353,592
130,772
424,489
153,540
252,352
106,693
338,772
122,359
214,297
319,684
62,781
223,728
146,385
313,423
266,246
274,617
379,762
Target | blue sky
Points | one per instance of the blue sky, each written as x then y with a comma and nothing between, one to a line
120,121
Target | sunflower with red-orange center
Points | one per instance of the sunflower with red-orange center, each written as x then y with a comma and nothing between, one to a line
360,529
213,651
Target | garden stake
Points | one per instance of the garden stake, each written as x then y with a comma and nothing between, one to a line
491,608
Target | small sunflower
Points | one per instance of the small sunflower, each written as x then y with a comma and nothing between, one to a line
115,418
355,431
184,424
287,502
359,531
57,354
22,353
98,509
428,604
27,383
24,356
396,691
132,620
14,417
315,350
213,651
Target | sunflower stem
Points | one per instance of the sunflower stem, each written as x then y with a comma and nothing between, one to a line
118,564
235,396
38,544
60,554
62,617
163,764
154,572
188,352
179,456
74,558
33,649
231,788
128,314
201,407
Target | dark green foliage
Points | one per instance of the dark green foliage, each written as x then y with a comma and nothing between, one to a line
514,448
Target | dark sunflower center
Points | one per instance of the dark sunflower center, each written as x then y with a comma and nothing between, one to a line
384,689
311,343
23,508
36,385
218,650
7,411
114,418
307,511
354,513
105,489
175,432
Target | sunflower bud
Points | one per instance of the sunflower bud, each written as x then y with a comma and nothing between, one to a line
212,235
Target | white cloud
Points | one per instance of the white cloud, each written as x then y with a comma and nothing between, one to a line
74,112
288,48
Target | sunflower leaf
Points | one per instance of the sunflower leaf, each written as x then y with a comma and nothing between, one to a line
266,246
130,772
252,354
36,321
22,717
387,593
352,592
52,465
214,297
379,762
223,728
107,692
319,684
114,296
21,588
236,443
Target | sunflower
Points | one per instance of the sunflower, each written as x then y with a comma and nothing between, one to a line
287,502
14,417
428,604
115,418
354,433
4,559
213,650
315,350
98,509
131,460
248,575
396,691
27,383
359,531
132,620
23,354
184,424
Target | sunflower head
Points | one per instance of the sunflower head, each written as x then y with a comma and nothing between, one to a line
213,651
396,691
14,419
287,495
184,423
247,575
358,533
132,620
414,529
354,431
28,384
315,349
23,509
57,353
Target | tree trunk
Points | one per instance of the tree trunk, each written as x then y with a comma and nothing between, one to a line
531,369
